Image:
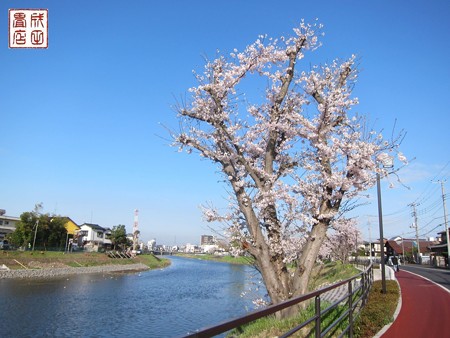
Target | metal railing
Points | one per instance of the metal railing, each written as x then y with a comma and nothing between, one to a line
348,302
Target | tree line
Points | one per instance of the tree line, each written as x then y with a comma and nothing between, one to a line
44,231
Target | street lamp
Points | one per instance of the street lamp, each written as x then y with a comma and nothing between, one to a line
387,163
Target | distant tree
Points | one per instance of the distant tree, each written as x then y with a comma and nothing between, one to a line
341,242
24,233
119,236
53,231
293,156
49,230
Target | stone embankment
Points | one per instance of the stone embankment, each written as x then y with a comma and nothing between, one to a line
64,271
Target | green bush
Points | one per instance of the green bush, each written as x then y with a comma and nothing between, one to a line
379,309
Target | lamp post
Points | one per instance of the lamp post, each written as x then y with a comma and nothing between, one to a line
387,163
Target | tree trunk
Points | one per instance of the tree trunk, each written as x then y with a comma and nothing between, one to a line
308,259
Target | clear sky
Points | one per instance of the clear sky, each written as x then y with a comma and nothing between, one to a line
82,122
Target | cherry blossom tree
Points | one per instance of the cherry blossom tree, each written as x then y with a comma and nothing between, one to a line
294,157
342,240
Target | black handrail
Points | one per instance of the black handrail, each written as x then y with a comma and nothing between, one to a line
354,299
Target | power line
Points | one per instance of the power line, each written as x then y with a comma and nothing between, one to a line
423,197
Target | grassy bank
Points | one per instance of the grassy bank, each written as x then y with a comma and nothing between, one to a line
323,274
223,259
48,259
329,273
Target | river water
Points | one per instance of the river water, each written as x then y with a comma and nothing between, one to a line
171,302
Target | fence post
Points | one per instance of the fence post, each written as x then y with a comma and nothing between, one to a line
371,274
318,318
350,308
364,287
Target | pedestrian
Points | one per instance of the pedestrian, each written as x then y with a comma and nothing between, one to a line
395,263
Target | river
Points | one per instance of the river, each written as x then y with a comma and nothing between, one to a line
170,302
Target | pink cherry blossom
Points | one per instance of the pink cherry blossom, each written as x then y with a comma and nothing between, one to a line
294,160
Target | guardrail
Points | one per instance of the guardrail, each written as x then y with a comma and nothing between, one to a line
353,299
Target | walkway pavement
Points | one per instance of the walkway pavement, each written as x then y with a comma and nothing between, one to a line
424,309
337,293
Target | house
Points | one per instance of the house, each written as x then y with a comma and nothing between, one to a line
71,227
373,249
439,250
7,224
407,248
93,237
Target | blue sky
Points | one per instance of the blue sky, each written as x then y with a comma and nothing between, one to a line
82,121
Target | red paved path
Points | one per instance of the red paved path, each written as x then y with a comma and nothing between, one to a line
425,310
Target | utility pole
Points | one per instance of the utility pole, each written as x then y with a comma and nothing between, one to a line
403,247
370,242
387,163
35,232
416,226
445,221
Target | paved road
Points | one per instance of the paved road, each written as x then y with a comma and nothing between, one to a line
440,276
425,308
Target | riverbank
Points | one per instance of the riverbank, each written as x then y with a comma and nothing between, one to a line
16,264
223,259
66,271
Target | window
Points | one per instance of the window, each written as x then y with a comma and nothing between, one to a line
99,234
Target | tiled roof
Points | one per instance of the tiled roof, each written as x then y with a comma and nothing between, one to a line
408,245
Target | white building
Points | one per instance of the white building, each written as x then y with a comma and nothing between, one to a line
151,245
93,237
191,248
7,224
208,248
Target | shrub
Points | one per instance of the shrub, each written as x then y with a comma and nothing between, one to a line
379,310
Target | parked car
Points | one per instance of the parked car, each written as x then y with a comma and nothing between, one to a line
4,245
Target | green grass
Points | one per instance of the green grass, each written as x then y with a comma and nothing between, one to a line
18,259
324,274
153,262
331,272
273,327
